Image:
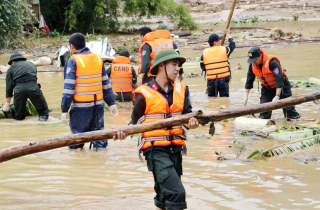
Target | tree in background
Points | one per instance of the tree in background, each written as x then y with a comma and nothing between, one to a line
86,16
14,14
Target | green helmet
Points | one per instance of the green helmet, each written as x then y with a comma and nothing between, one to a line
163,26
165,55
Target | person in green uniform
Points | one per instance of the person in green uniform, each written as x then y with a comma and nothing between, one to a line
163,97
22,80
275,83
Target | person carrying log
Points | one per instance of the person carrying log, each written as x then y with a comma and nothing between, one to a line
86,85
163,39
214,62
274,79
162,98
122,76
22,80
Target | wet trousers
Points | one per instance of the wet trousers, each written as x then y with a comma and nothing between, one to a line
218,87
167,170
82,121
268,94
31,90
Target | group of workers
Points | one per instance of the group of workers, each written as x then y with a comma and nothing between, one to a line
155,93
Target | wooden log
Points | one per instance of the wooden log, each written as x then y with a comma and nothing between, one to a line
228,21
203,118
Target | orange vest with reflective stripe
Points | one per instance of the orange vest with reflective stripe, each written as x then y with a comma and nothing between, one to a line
148,39
216,63
266,76
121,75
156,109
162,38
88,77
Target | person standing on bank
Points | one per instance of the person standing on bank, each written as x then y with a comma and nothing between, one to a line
122,76
275,83
163,40
214,61
86,85
22,79
162,98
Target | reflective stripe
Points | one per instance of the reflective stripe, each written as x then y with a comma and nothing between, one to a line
120,77
81,61
70,81
99,58
106,86
165,45
153,116
201,61
105,78
176,49
146,92
267,63
89,84
123,88
158,138
89,76
156,49
269,77
68,91
89,93
121,83
181,67
121,64
178,87
75,104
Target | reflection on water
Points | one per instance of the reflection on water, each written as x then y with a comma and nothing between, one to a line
116,179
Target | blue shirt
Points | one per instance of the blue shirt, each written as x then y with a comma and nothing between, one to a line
69,87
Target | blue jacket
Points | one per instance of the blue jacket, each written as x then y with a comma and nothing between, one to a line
69,87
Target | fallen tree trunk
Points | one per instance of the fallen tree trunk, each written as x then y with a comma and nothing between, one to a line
203,118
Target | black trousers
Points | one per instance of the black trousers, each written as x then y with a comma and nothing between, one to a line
218,87
268,94
31,90
125,97
167,170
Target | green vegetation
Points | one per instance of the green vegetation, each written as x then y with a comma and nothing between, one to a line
102,15
13,15
254,19
282,20
303,84
30,111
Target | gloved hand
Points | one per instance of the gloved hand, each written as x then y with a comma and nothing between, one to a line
6,107
276,98
113,110
64,118
246,99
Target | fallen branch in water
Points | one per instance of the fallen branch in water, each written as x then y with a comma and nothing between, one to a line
203,118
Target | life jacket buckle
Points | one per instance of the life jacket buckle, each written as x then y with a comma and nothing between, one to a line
168,115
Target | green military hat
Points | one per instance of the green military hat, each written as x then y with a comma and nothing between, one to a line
165,55
16,56
163,26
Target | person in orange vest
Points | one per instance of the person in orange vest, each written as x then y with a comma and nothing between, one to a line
163,39
86,86
147,52
162,98
122,76
274,79
214,61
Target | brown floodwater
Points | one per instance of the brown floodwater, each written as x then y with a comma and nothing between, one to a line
116,179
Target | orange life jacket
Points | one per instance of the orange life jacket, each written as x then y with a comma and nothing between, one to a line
266,76
157,109
162,38
88,77
148,39
121,75
216,63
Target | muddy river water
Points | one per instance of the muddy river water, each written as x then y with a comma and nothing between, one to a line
116,179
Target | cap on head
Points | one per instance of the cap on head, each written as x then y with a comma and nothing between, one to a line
214,38
165,55
16,56
124,53
253,54
163,26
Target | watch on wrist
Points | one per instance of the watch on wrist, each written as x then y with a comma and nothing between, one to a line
278,95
